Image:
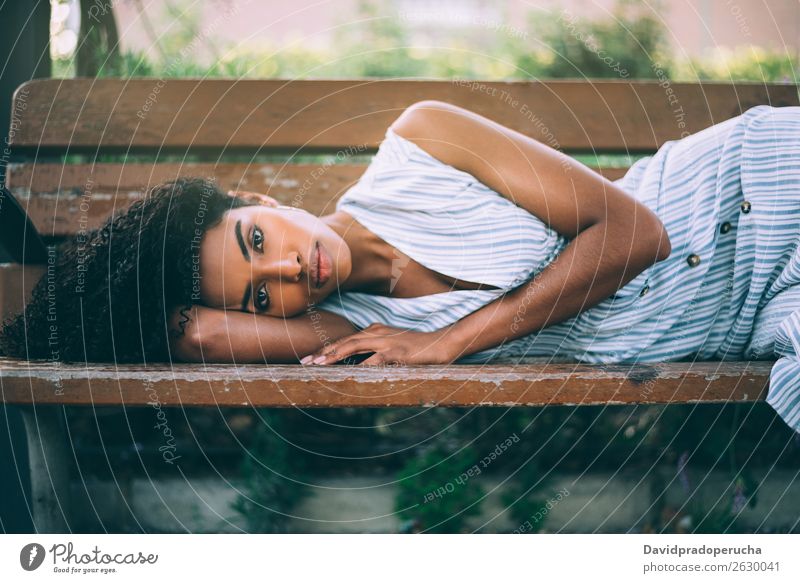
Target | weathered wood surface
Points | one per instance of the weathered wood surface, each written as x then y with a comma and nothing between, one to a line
45,383
61,199
93,116
16,284
144,114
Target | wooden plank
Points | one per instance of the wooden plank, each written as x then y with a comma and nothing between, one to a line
44,383
61,199
16,284
155,114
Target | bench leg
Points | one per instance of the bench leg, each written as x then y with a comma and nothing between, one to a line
50,460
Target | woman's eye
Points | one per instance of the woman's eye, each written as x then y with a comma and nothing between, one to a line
258,240
262,298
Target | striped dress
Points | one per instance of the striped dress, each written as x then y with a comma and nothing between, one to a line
729,197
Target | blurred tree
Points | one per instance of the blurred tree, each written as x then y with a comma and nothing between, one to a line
98,40
625,46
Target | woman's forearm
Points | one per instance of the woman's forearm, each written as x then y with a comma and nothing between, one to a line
212,335
596,263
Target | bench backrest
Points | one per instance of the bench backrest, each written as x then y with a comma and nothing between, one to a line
248,135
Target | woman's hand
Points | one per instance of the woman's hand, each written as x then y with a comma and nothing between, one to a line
392,346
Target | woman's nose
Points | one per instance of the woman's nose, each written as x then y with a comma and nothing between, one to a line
288,268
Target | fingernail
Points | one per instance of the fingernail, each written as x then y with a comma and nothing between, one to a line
318,360
306,359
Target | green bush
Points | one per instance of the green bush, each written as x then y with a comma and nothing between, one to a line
435,491
742,64
272,478
623,47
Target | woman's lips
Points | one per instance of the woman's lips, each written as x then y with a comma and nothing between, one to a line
321,265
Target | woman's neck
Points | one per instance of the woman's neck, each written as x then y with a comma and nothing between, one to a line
371,256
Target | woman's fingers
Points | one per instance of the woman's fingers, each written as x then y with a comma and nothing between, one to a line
349,348
367,340
341,349
325,350
377,359
330,348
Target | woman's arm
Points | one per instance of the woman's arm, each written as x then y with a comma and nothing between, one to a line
212,335
614,236
567,195
588,270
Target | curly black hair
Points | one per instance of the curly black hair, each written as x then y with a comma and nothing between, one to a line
108,294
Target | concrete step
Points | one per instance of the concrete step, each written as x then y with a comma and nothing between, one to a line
588,503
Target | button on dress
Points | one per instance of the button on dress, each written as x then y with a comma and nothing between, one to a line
729,197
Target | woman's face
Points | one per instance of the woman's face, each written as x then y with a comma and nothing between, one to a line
269,260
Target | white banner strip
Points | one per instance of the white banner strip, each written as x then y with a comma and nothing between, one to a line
399,558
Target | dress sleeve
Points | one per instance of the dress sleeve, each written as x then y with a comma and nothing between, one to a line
784,379
761,344
403,176
776,334
393,153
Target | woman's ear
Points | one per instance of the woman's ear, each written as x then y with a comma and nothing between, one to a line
255,197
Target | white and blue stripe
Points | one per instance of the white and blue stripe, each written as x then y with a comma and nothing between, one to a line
448,221
741,301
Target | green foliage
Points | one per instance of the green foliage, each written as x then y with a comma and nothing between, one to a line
742,64
524,498
378,43
433,492
624,46
527,488
527,484
379,47
272,478
185,20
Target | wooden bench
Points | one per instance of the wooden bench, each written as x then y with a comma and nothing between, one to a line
247,135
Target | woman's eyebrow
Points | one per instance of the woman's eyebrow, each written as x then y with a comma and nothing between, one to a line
240,239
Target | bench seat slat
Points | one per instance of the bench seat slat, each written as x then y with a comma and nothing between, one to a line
61,199
44,383
16,284
153,116
138,114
